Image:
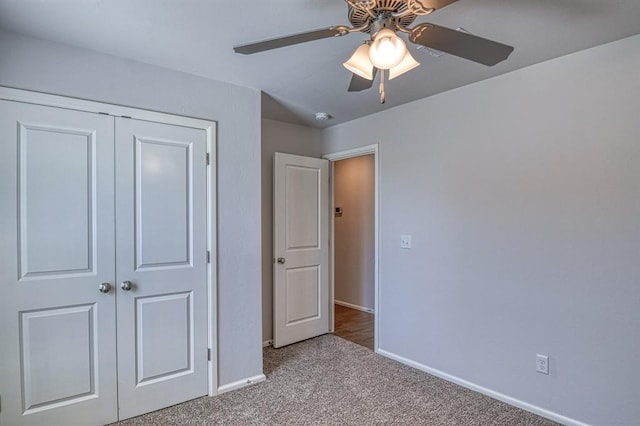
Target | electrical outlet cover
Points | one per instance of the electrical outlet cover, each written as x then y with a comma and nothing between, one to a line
542,364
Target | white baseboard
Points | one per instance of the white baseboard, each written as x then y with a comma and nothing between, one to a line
267,343
241,384
493,394
352,306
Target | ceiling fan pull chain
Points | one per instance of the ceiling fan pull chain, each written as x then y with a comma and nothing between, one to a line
383,96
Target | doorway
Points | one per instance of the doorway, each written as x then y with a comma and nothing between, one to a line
354,251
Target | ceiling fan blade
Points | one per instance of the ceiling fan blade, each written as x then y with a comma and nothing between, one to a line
435,4
464,45
358,84
276,43
424,7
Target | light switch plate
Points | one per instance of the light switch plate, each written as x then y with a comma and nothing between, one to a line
405,241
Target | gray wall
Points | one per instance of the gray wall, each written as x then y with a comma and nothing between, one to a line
27,63
289,139
522,194
354,191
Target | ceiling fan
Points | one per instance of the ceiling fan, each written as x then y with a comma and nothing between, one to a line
385,51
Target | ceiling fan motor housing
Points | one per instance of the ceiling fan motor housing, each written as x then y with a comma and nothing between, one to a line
380,15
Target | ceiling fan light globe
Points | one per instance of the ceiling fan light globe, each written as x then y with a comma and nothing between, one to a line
387,50
408,63
359,63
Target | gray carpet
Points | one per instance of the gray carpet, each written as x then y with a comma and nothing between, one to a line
330,381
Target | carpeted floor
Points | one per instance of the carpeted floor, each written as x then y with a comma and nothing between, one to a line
330,381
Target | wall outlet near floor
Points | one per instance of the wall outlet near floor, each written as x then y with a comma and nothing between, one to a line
542,364
405,241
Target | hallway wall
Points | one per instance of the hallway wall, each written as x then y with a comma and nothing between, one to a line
354,186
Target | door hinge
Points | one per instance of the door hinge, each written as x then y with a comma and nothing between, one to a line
208,159
208,354
208,256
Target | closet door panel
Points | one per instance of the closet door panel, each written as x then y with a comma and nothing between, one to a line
161,261
57,334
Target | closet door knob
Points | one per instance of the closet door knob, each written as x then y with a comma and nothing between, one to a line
104,288
126,285
281,260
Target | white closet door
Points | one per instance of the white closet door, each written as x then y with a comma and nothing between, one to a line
161,255
57,334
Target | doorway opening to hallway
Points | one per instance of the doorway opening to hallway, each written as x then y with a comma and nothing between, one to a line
354,248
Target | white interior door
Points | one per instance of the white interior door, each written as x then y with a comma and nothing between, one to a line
301,240
161,259
57,334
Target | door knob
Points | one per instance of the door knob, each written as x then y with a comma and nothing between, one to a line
281,260
104,287
126,285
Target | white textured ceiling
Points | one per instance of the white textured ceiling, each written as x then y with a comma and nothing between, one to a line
197,37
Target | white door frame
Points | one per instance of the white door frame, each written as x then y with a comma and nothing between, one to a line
38,98
343,155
